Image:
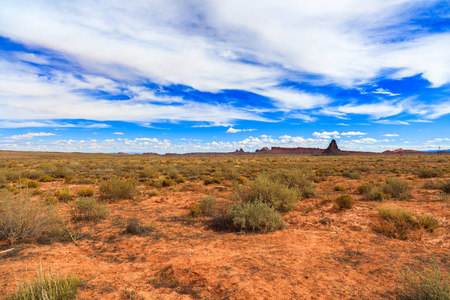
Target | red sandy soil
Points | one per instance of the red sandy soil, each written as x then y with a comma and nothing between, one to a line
323,253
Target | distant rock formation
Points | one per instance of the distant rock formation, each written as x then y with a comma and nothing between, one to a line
263,149
150,153
401,151
239,151
333,149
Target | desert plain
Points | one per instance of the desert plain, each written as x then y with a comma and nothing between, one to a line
163,227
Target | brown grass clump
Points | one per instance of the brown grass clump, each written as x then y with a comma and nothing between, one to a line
431,284
135,227
398,223
24,219
48,286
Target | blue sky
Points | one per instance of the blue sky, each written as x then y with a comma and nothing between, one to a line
197,75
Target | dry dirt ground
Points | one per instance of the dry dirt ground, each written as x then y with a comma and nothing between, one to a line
324,253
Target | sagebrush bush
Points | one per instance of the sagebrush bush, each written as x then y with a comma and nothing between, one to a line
46,178
352,174
345,201
116,189
431,284
86,192
273,193
206,206
64,194
301,179
169,182
48,286
372,193
24,219
88,209
445,186
428,172
32,174
255,217
27,183
61,172
339,188
149,172
397,188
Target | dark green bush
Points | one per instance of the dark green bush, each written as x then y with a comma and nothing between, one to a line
339,188
27,183
168,182
46,178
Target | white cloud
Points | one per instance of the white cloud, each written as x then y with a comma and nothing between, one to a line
384,92
30,135
119,133
292,99
390,134
391,122
365,141
233,130
438,140
353,133
326,134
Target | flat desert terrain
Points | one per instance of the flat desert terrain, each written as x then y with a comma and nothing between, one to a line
237,227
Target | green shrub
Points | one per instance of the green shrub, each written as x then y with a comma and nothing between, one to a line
61,172
431,284
273,193
64,194
300,179
116,189
181,180
135,227
344,201
148,173
3,180
32,174
255,217
87,209
51,200
46,178
48,286
371,193
168,182
86,192
28,183
445,186
428,222
206,206
397,188
428,172
339,188
241,180
352,174
24,219
173,173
